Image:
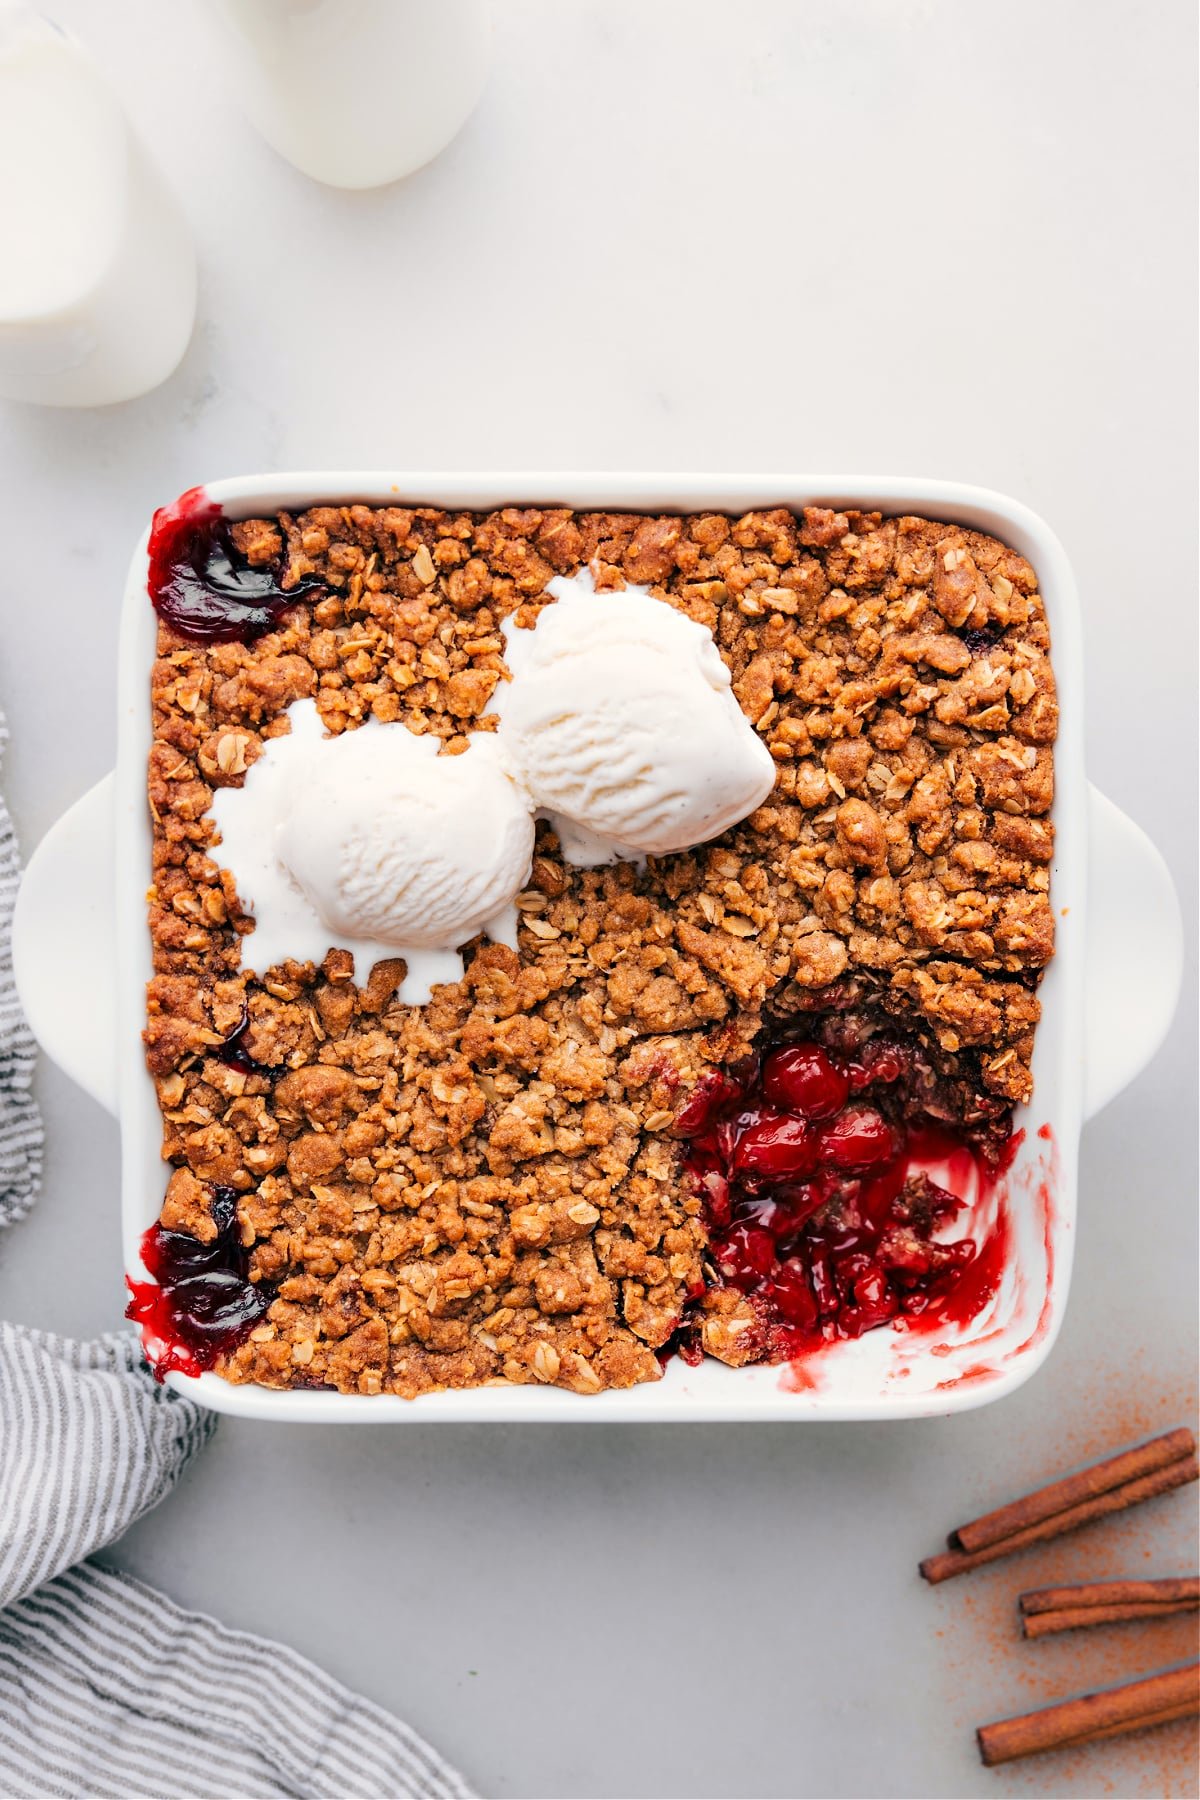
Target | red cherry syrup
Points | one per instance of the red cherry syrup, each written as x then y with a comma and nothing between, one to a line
199,584
200,1303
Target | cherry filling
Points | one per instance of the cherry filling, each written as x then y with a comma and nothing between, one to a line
200,585
982,639
200,1303
234,1054
809,1161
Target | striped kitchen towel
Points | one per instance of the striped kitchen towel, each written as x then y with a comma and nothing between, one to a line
88,1442
109,1688
20,1123
106,1686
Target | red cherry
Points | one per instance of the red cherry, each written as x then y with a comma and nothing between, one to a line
745,1255
775,1144
871,1287
858,1138
802,1078
848,1269
791,1296
887,1062
813,1204
878,1060
874,1303
712,1092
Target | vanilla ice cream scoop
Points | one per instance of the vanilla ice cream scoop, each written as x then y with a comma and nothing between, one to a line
621,721
375,843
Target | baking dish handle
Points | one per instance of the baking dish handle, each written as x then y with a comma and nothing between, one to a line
64,934
64,944
1134,952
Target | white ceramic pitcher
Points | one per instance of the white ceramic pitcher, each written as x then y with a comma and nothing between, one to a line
97,270
357,92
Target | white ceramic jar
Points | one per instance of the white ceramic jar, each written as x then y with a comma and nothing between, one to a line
357,93
97,270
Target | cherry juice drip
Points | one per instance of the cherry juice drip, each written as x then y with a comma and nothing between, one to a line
199,584
817,1205
200,1303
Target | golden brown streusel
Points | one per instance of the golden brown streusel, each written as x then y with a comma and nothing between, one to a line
486,1187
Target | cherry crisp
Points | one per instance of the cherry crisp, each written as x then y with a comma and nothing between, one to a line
688,1115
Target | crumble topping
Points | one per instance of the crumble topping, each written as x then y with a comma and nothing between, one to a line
488,1187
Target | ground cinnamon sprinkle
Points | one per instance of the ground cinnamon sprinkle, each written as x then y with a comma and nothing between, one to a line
990,1672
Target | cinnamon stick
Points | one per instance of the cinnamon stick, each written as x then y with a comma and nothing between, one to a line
1073,1618
1161,1481
1157,1700
1165,1590
1073,1490
1168,1716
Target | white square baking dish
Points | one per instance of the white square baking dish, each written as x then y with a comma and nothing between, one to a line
1108,995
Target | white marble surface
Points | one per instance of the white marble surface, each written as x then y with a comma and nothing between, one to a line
918,236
